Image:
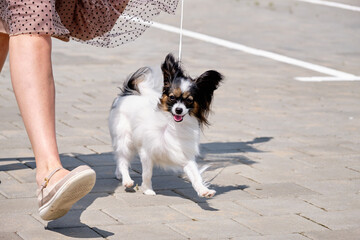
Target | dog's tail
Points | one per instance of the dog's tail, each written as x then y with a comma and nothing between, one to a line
145,81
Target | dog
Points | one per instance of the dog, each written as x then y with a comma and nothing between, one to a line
160,118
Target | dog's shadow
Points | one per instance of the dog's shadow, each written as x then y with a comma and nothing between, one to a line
216,156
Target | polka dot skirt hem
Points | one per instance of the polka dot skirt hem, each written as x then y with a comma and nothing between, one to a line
104,23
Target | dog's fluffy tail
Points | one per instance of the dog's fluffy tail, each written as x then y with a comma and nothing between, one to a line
145,81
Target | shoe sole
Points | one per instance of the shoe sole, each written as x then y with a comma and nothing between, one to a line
72,191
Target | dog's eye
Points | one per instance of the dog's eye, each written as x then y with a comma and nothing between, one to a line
189,101
172,97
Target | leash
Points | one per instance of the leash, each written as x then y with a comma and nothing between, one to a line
181,28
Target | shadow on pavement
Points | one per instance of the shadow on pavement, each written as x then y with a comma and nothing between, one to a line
216,154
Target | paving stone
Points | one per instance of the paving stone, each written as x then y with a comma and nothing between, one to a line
79,218
16,153
18,205
335,202
336,220
273,237
211,229
99,148
9,236
18,190
163,197
107,186
213,210
322,149
26,175
10,164
13,222
227,193
225,179
260,176
169,182
59,234
146,215
278,206
143,231
97,159
109,172
63,130
136,166
285,224
70,141
104,138
6,178
329,161
18,142
331,187
97,201
348,234
328,173
280,190
76,150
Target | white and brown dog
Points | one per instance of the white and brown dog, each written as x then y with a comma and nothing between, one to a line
160,118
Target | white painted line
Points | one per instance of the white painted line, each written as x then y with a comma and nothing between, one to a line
274,56
326,79
333,4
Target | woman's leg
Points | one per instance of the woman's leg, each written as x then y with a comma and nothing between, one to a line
4,48
33,84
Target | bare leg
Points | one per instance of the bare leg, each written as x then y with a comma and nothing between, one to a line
33,84
4,48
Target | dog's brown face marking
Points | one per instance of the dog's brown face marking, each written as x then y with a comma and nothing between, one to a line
177,92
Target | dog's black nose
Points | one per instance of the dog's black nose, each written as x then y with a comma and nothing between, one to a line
178,110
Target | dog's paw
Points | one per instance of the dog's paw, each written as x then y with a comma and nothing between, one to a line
128,183
207,193
149,192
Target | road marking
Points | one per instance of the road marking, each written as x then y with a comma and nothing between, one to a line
336,75
333,4
327,79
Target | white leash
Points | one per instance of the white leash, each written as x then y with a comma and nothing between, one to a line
181,28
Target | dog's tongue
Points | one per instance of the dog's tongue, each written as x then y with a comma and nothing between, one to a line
178,118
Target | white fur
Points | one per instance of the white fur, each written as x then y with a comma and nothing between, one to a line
137,125
185,85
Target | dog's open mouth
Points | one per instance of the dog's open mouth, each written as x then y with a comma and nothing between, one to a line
178,118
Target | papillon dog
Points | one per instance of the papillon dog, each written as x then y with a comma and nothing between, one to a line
160,117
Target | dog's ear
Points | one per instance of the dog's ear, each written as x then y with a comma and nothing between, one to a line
208,82
171,69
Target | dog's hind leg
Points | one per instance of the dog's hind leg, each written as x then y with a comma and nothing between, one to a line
194,175
122,171
124,153
147,169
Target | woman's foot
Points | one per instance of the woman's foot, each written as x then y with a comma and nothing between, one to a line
40,176
56,198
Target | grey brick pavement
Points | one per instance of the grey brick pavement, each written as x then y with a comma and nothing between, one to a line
284,155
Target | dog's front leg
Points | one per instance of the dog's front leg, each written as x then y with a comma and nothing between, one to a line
194,175
147,168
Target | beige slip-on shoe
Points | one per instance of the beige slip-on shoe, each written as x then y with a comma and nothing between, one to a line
56,200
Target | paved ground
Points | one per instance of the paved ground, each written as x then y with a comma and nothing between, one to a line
284,154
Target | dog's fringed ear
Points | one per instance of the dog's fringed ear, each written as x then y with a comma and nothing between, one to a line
208,82
171,69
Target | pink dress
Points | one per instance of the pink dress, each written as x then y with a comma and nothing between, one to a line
105,23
